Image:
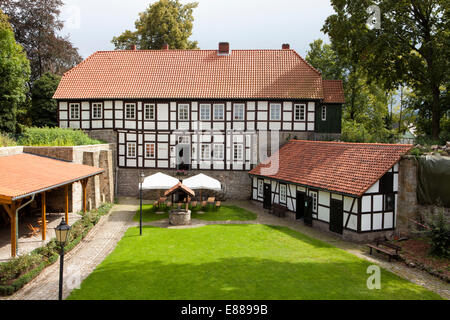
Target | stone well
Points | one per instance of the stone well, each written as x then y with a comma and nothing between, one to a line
180,217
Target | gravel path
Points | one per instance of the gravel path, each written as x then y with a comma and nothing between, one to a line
102,239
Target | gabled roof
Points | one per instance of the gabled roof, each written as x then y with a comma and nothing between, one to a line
203,74
24,174
348,168
181,187
333,91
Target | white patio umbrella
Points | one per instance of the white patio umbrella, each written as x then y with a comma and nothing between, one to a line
159,181
202,181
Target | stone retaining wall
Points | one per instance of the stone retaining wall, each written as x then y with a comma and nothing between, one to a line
235,184
100,188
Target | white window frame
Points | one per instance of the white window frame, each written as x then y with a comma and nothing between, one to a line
202,152
260,188
127,108
315,200
272,108
96,114
73,111
283,196
183,107
301,107
147,155
241,147
151,111
240,107
216,107
218,149
324,113
204,107
129,144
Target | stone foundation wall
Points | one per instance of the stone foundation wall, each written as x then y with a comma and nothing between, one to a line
100,188
235,184
408,206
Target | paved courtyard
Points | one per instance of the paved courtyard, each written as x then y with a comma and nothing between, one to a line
102,239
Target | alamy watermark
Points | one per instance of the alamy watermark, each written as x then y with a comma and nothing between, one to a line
374,20
374,280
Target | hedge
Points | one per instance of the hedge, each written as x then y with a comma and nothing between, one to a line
48,253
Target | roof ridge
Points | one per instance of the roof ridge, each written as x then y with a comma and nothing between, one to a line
354,143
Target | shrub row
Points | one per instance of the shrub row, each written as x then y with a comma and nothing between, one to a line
54,137
16,273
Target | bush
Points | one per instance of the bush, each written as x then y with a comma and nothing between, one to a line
439,234
16,273
6,140
55,137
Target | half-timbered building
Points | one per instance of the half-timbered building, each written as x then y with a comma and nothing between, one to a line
197,109
347,188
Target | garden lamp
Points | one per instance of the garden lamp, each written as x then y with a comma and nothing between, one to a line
62,234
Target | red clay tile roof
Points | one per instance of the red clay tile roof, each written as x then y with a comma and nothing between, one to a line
24,174
200,74
333,91
349,168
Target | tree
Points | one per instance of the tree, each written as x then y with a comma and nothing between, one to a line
365,110
36,25
14,73
44,109
166,21
322,57
409,46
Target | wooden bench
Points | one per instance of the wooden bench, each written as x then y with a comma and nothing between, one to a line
279,210
390,251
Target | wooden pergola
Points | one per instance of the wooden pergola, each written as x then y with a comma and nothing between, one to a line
23,176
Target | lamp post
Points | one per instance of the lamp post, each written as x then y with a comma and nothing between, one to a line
141,180
62,234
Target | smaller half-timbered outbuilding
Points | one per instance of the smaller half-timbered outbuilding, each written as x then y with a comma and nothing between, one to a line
347,188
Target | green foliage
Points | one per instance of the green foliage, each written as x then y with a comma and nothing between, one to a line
365,112
14,73
16,273
55,137
322,57
6,140
239,261
166,21
410,47
439,235
44,109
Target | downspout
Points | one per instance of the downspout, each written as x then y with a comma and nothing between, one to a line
17,221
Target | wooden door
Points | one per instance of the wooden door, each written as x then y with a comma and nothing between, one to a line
336,216
308,211
300,205
267,203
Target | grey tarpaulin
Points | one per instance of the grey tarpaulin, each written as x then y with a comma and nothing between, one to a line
433,185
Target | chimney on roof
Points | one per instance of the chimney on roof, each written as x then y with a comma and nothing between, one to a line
285,46
224,48
133,47
165,46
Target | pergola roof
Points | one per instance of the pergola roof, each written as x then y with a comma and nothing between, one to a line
24,174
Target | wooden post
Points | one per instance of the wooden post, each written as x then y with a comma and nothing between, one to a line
84,185
11,210
44,218
66,197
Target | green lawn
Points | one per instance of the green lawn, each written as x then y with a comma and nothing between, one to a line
235,262
222,214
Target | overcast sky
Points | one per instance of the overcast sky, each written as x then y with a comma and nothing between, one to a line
246,24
